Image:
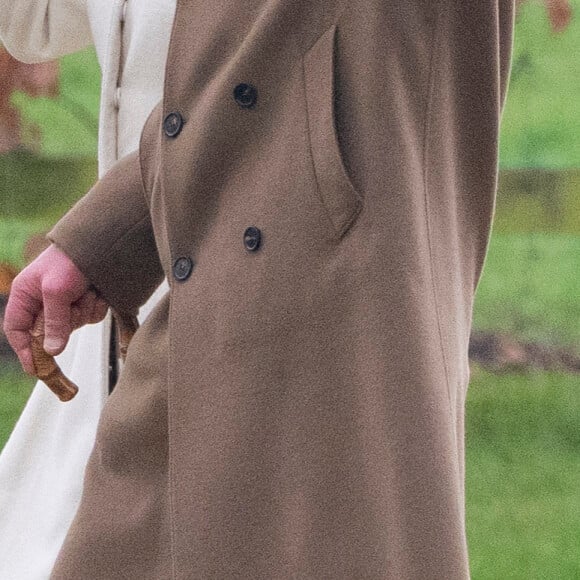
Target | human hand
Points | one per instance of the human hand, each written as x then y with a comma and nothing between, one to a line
54,286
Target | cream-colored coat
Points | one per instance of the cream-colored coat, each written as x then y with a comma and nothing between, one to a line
42,465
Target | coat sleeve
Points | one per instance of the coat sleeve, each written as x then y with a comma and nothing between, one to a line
108,234
40,30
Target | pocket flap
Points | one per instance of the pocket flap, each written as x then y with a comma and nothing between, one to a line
338,194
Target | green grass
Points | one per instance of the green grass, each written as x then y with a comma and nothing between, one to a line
530,287
538,200
15,388
13,236
523,476
34,187
523,516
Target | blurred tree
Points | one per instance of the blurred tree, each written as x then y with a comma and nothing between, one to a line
33,79
559,13
7,274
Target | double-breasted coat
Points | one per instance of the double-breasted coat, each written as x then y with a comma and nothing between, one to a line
42,465
318,186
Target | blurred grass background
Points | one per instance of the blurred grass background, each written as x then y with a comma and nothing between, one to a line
522,429
522,476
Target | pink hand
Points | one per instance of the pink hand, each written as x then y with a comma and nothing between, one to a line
52,283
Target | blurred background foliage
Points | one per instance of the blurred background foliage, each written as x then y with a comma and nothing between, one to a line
541,121
69,122
523,419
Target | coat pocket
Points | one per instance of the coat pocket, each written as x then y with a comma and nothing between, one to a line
337,192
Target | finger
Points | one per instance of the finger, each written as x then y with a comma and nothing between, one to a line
19,317
92,316
82,309
101,308
57,319
76,320
20,343
89,309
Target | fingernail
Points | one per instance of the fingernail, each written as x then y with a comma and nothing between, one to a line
53,345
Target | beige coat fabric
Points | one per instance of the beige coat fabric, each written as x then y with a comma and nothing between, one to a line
294,406
42,464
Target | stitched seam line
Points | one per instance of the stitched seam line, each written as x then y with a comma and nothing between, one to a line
108,251
426,129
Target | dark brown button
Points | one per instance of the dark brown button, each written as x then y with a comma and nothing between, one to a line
182,268
172,124
252,238
245,95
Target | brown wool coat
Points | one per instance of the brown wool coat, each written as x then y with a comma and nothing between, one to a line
296,411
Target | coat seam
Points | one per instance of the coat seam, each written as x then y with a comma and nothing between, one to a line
109,250
425,147
170,496
146,193
170,48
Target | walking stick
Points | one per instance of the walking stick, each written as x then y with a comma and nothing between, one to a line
47,369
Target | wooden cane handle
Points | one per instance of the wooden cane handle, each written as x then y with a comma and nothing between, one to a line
47,369
127,325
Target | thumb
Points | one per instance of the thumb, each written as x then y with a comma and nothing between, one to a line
57,320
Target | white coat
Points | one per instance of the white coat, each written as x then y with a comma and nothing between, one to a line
42,464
